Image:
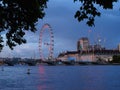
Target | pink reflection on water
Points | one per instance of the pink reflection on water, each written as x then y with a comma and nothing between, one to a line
42,75
42,87
41,70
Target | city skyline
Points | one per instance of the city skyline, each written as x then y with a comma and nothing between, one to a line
67,30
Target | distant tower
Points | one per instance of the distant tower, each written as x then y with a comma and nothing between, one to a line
119,47
83,44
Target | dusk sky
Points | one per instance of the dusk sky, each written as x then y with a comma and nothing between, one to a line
67,30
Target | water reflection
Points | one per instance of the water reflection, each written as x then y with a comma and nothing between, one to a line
43,77
93,79
60,78
99,78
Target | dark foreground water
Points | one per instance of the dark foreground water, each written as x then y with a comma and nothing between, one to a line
60,78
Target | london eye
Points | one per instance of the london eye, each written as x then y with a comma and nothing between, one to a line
46,42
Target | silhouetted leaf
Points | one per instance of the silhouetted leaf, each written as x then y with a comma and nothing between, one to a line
88,10
16,16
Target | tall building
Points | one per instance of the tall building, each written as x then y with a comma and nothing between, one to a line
83,44
119,47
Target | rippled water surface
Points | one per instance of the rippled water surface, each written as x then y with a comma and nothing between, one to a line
60,78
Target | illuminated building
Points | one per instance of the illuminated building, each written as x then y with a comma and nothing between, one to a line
83,44
87,52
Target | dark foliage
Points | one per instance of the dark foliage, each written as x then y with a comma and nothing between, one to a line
116,59
89,11
16,16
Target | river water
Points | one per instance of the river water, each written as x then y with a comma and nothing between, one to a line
60,77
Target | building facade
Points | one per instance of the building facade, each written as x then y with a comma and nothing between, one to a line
87,52
83,44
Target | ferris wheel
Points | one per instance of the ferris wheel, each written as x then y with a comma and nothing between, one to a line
46,42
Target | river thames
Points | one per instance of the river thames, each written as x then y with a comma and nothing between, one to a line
41,77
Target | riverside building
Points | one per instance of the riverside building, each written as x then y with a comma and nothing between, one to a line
90,53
